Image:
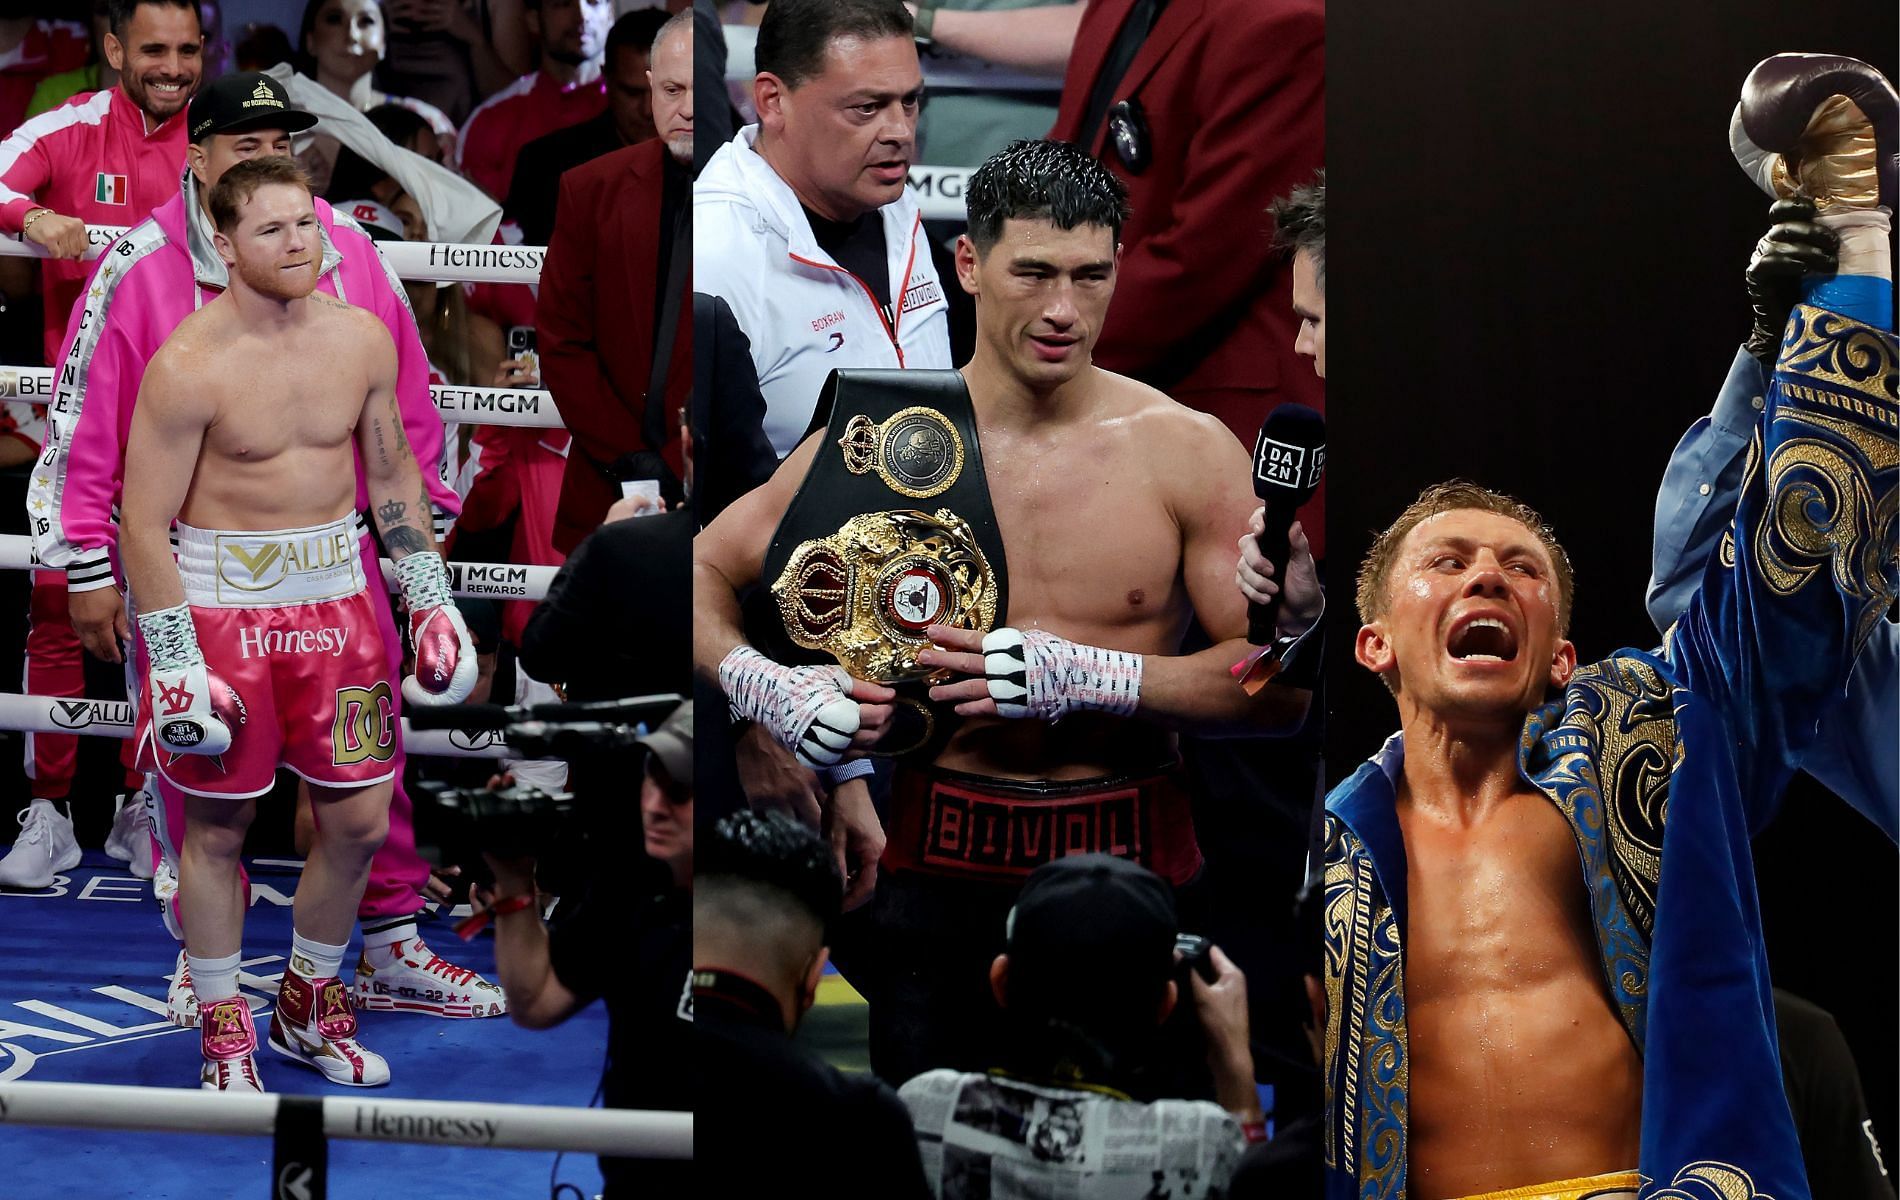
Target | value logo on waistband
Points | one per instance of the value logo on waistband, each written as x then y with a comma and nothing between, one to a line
252,564
917,453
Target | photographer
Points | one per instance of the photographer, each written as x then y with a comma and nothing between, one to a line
1089,976
768,889
629,574
629,943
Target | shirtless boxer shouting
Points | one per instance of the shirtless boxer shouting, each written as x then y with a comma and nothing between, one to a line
261,639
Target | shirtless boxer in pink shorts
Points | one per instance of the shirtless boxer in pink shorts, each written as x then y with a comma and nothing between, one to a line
261,639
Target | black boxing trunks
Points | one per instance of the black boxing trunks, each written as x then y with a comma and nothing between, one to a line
951,824
891,531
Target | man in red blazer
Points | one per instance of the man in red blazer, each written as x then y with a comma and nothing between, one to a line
1220,110
614,296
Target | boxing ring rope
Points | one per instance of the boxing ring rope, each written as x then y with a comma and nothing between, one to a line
301,1126
417,262
623,1132
113,718
503,581
521,408
26,713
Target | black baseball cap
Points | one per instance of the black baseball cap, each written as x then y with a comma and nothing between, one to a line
244,100
672,744
1088,925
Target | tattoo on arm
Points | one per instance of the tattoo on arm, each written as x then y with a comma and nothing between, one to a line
402,540
405,530
395,418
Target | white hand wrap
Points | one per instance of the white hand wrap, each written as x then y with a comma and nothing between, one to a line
1039,675
1866,241
178,687
809,710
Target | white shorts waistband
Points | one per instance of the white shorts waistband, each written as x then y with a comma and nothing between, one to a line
270,568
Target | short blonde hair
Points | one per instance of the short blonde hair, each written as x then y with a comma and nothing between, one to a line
1375,573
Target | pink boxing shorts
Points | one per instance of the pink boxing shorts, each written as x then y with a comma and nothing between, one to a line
286,619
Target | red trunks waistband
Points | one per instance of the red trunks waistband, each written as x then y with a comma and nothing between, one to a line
949,823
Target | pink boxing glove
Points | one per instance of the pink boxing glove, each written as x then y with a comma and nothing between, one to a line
193,711
445,657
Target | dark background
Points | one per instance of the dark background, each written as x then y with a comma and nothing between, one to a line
1534,280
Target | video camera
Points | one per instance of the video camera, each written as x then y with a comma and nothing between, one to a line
522,819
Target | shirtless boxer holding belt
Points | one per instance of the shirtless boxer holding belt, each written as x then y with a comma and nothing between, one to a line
1119,509
261,642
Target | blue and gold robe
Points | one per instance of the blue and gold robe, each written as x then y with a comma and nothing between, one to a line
1663,763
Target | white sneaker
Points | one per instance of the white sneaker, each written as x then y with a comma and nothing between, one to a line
131,838
181,999
420,982
46,845
313,1025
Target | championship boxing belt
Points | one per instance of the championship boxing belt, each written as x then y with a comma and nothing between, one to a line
892,531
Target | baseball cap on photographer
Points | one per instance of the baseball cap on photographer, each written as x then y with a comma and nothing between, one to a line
244,100
1088,933
672,744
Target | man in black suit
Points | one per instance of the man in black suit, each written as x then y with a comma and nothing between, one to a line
632,576
731,454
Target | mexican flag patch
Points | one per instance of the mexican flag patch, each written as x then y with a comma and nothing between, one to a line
110,190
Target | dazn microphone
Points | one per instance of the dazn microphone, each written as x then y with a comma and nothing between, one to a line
1288,459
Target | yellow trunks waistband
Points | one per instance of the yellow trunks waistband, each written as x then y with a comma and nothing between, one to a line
1617,1185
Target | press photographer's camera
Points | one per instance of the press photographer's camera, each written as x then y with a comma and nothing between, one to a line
520,819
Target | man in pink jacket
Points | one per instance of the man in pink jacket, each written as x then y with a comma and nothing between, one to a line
145,284
107,158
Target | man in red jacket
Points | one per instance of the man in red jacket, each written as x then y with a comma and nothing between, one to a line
108,158
1218,109
612,322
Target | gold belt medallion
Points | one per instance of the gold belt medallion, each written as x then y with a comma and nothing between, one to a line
866,594
917,452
